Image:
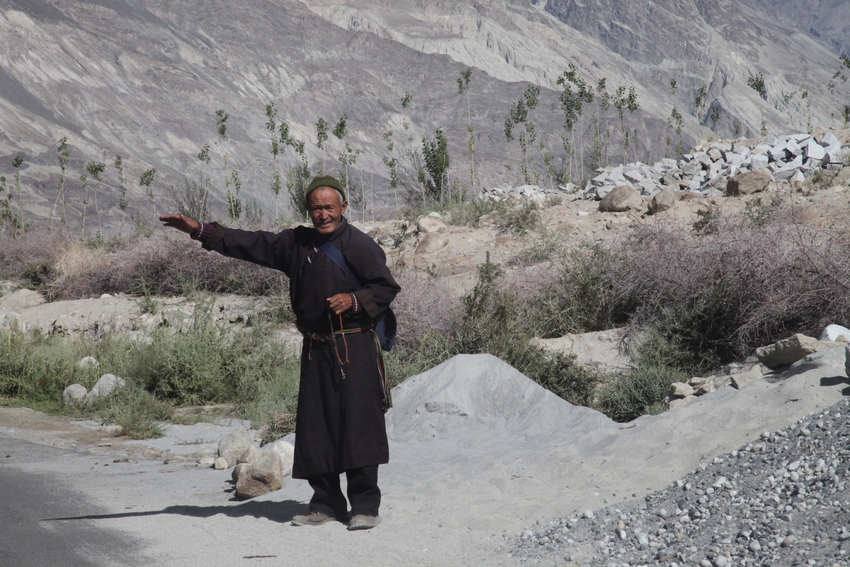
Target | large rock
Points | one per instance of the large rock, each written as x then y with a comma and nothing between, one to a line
621,198
663,200
21,299
74,396
105,385
749,183
790,350
284,451
250,455
263,477
835,333
428,225
847,360
599,350
233,445
432,242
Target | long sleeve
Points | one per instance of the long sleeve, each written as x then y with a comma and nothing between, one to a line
273,250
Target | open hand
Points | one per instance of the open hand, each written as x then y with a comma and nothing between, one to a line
181,222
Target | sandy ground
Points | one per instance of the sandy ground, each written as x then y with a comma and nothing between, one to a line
478,453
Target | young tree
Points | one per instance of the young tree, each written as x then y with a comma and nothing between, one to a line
572,104
437,161
519,116
463,88
64,154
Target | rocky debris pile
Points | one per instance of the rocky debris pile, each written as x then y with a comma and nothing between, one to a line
709,168
256,470
778,355
533,193
780,500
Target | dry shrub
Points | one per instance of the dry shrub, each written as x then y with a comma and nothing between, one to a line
424,304
31,258
744,285
161,265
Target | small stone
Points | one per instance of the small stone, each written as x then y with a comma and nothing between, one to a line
720,561
681,390
588,514
220,464
789,541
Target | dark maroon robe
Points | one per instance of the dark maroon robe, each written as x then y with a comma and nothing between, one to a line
340,423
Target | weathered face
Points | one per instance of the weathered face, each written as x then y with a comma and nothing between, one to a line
325,209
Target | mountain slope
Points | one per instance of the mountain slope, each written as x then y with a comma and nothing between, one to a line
145,79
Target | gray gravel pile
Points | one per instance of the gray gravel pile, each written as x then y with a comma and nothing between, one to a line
782,500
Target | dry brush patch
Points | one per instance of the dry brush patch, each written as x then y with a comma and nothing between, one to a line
424,304
158,265
742,285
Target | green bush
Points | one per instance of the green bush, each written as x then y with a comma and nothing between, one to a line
138,412
200,365
587,293
638,393
38,367
519,219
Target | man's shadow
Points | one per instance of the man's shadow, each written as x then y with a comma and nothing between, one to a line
281,512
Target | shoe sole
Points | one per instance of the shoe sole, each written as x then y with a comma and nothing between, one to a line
363,526
319,523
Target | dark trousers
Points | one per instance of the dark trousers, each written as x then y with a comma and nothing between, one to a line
363,493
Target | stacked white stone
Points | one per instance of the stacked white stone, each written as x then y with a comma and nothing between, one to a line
707,169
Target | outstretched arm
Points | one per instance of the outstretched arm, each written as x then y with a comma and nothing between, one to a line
181,223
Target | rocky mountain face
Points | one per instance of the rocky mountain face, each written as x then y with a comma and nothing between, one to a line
144,80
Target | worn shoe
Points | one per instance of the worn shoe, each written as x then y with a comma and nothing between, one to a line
361,522
312,519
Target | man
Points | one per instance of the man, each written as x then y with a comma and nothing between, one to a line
342,398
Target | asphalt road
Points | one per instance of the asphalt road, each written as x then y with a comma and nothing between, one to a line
43,520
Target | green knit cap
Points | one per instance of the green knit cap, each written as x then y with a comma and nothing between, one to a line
323,181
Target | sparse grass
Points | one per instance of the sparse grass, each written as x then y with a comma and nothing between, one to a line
519,219
138,412
641,392
202,364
